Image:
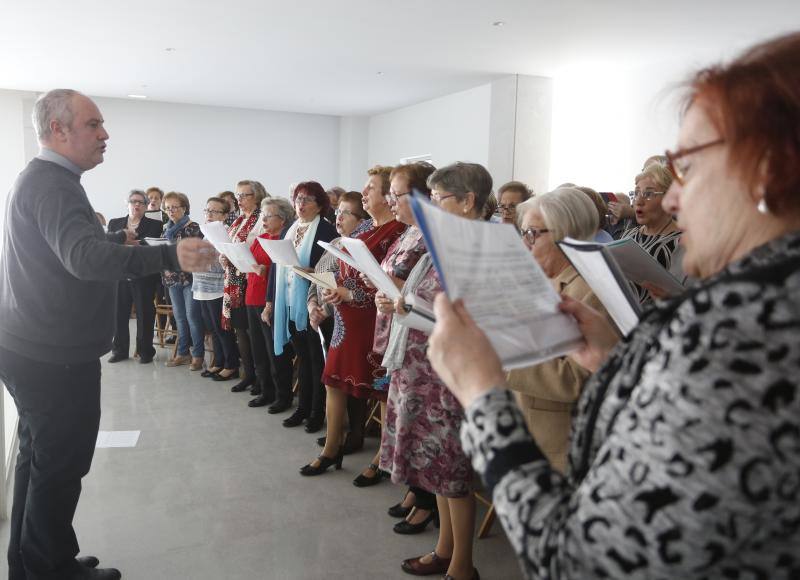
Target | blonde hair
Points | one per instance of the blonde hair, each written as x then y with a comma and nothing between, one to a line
660,174
567,212
385,172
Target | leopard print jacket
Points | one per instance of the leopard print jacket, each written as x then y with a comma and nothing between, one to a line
685,448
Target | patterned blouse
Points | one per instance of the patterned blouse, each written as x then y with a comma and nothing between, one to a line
664,248
243,230
169,278
685,451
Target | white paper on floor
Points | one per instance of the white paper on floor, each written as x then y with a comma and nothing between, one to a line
107,439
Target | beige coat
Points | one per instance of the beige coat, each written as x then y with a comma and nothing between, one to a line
547,392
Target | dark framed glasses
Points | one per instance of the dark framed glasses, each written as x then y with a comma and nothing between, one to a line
679,170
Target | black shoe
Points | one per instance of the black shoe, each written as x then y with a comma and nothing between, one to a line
321,440
351,443
84,573
314,424
259,401
408,529
324,464
219,377
364,481
88,561
116,357
279,407
144,360
295,419
242,385
255,390
209,374
398,511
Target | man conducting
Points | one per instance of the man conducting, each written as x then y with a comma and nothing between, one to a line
58,275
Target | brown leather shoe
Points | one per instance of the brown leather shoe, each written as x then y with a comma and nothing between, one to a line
178,361
196,364
437,565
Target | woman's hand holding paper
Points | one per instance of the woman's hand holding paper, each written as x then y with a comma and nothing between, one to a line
383,303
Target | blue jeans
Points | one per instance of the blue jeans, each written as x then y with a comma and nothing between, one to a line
189,320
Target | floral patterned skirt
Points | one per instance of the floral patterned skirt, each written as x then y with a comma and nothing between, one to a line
420,443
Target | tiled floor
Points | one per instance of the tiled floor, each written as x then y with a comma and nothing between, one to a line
211,492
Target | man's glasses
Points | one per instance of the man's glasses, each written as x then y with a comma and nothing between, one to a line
679,170
646,195
532,234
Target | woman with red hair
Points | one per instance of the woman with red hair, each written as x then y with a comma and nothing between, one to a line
685,449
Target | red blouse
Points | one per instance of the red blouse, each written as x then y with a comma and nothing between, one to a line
256,294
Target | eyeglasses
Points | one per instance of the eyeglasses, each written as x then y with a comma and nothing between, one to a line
240,195
214,212
679,170
171,208
532,234
300,199
507,208
646,195
436,198
339,212
392,197
136,202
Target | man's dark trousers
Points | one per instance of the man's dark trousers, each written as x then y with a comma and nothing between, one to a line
59,416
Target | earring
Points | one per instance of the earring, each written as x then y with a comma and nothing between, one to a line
762,207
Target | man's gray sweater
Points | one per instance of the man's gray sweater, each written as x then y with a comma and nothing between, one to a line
58,271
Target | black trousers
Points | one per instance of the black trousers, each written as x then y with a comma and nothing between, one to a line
278,368
140,292
59,415
226,353
307,347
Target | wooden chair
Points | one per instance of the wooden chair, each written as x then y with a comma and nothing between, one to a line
488,520
162,333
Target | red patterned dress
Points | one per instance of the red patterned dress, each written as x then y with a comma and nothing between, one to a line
351,365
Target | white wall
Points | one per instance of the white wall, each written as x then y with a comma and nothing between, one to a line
204,150
450,128
607,122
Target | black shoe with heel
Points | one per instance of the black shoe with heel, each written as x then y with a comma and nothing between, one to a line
324,464
400,511
364,481
218,376
406,528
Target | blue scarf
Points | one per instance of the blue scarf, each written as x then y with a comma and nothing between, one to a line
292,306
172,229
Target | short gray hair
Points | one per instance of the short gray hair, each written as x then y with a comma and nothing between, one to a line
55,104
461,178
282,206
566,212
140,193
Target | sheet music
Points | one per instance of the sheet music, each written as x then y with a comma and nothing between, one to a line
598,273
503,287
325,280
366,263
339,254
240,256
216,233
281,252
156,241
639,266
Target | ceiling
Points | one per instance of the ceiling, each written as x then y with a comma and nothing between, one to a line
353,57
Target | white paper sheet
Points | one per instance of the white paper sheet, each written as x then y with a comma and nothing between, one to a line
216,233
599,273
156,241
419,314
281,252
110,439
367,264
240,256
326,280
639,266
503,287
339,254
